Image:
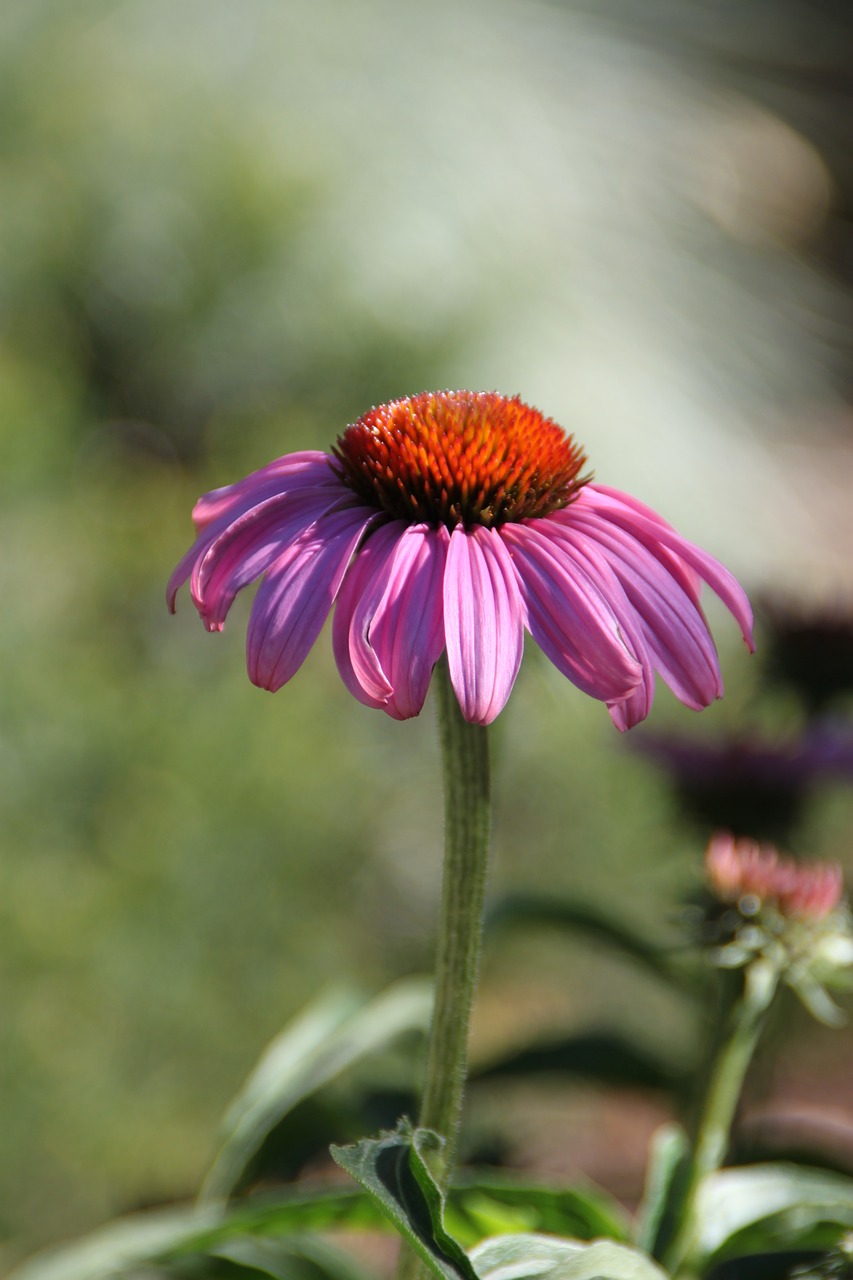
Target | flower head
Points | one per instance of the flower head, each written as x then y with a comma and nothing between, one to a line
810,650
454,522
740,869
785,914
748,784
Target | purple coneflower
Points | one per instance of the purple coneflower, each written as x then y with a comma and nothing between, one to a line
810,650
747,784
453,522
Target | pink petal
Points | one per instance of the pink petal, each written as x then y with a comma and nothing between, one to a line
216,511
184,568
249,545
362,590
587,502
629,501
295,597
407,629
483,622
568,615
309,469
656,536
625,712
675,631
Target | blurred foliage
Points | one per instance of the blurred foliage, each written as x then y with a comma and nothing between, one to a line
186,860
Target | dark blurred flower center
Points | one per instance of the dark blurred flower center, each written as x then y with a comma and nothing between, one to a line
461,457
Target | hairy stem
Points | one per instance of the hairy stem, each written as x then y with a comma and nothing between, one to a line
465,763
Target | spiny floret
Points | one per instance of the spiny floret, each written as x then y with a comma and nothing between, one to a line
461,457
739,868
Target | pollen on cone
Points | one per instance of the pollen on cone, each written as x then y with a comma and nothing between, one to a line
461,457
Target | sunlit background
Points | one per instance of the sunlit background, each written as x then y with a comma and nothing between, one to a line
225,231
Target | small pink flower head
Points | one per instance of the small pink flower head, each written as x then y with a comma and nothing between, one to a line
740,869
786,916
454,522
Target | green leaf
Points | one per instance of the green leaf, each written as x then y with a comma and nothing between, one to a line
764,1208
667,1177
394,1172
116,1249
296,1258
489,1203
284,1213
159,1238
176,1239
595,1055
524,909
325,1039
524,1257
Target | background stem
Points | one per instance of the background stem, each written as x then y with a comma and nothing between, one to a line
725,1083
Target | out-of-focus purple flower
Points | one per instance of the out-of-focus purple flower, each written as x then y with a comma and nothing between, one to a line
746,785
454,522
809,650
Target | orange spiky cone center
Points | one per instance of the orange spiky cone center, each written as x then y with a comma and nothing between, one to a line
460,457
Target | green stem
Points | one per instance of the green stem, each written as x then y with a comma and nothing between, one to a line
717,1112
465,763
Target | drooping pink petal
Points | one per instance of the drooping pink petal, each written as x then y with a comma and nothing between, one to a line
629,711
250,544
294,599
587,501
655,535
407,629
216,511
362,590
184,568
483,622
628,500
567,614
309,469
676,633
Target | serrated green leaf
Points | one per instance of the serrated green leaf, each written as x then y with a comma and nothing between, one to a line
764,1208
667,1177
328,1037
394,1172
525,1257
602,1056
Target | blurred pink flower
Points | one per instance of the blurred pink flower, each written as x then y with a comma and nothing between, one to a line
456,521
741,868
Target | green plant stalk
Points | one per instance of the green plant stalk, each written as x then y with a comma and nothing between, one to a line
467,814
467,820
717,1109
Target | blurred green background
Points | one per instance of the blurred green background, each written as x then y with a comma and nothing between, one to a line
227,230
